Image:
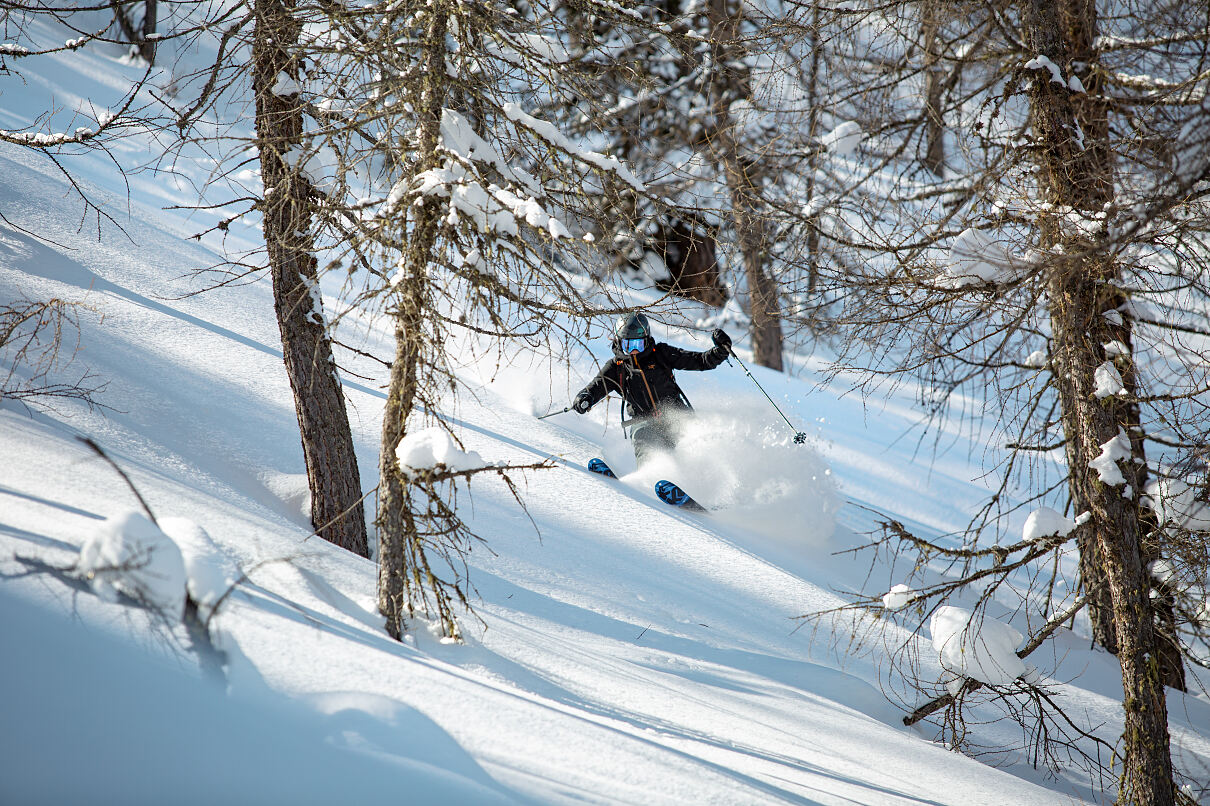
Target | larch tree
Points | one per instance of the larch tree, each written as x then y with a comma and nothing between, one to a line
255,60
257,47
1051,269
724,110
448,192
337,512
745,172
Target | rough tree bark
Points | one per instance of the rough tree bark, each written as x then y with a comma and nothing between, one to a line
336,508
934,84
1076,174
147,46
743,182
814,103
395,521
143,40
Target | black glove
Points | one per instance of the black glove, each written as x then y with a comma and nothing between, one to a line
581,404
721,339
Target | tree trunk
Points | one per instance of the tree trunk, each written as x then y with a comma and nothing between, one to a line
689,254
397,533
140,39
147,45
336,509
395,522
743,181
814,259
934,124
1076,173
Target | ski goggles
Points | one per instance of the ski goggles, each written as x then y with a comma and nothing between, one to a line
633,345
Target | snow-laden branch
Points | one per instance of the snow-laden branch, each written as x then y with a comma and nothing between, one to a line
1112,42
1190,91
551,134
105,120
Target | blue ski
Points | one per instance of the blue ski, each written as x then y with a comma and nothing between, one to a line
671,494
599,466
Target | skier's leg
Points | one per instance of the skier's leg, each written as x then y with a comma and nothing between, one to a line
650,440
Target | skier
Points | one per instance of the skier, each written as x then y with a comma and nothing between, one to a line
641,372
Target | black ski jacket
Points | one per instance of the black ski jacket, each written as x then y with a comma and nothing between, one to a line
645,381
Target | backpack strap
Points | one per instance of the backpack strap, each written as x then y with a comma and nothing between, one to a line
680,393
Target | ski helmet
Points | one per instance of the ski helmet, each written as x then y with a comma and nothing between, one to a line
632,326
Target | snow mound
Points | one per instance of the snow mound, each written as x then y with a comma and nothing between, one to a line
208,571
134,729
292,489
978,647
754,473
129,554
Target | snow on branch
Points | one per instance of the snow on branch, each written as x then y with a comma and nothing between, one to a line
1046,522
12,49
844,139
1108,381
432,447
1192,90
458,137
1108,42
898,597
106,120
49,139
1041,62
975,258
491,209
1112,452
551,134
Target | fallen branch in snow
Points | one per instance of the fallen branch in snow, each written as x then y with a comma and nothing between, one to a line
81,577
980,653
210,659
142,502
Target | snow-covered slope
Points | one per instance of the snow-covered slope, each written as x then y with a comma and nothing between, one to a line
627,653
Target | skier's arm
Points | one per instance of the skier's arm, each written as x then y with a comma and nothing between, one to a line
691,360
596,389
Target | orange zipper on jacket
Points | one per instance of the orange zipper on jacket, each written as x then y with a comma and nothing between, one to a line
655,410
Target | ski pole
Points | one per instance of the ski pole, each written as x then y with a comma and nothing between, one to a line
799,436
553,413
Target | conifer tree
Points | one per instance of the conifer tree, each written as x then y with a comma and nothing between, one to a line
1055,269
